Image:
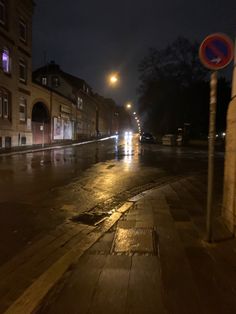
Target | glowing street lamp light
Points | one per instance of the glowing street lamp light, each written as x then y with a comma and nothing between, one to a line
134,113
129,105
113,79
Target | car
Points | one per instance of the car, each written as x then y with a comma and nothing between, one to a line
128,135
147,138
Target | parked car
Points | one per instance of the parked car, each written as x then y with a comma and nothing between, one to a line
147,138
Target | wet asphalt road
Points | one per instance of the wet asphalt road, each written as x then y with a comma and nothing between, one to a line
40,190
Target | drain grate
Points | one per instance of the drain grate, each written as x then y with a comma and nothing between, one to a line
91,219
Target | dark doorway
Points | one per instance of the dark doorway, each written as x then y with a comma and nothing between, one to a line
41,126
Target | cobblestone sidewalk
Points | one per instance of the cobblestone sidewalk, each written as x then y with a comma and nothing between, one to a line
154,261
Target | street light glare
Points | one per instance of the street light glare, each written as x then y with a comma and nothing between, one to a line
113,79
129,105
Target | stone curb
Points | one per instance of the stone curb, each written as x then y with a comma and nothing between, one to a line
27,151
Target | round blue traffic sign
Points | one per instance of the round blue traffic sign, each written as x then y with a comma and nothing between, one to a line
216,51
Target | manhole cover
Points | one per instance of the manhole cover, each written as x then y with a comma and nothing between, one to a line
91,219
136,240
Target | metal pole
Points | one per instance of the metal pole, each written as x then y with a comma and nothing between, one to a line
234,74
43,135
211,151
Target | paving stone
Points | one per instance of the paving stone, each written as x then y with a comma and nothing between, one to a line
211,288
145,218
185,277
110,294
75,295
145,293
126,224
179,215
144,225
133,240
188,234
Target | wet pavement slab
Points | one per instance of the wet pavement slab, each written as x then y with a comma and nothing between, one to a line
135,240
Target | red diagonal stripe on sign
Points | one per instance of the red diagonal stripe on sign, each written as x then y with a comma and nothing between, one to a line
216,51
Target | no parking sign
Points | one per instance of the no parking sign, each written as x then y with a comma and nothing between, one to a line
216,51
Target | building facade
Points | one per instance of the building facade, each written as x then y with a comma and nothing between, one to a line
94,114
15,72
55,106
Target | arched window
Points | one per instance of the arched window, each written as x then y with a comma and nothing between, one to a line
5,60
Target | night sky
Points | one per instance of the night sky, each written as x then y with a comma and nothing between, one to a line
91,38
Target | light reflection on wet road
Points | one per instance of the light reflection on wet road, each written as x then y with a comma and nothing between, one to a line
35,187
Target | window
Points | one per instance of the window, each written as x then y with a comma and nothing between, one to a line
44,80
23,30
23,109
7,142
79,103
3,13
4,104
22,71
55,81
23,140
5,56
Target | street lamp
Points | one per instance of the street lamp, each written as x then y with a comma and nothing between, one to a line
128,105
134,113
113,79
